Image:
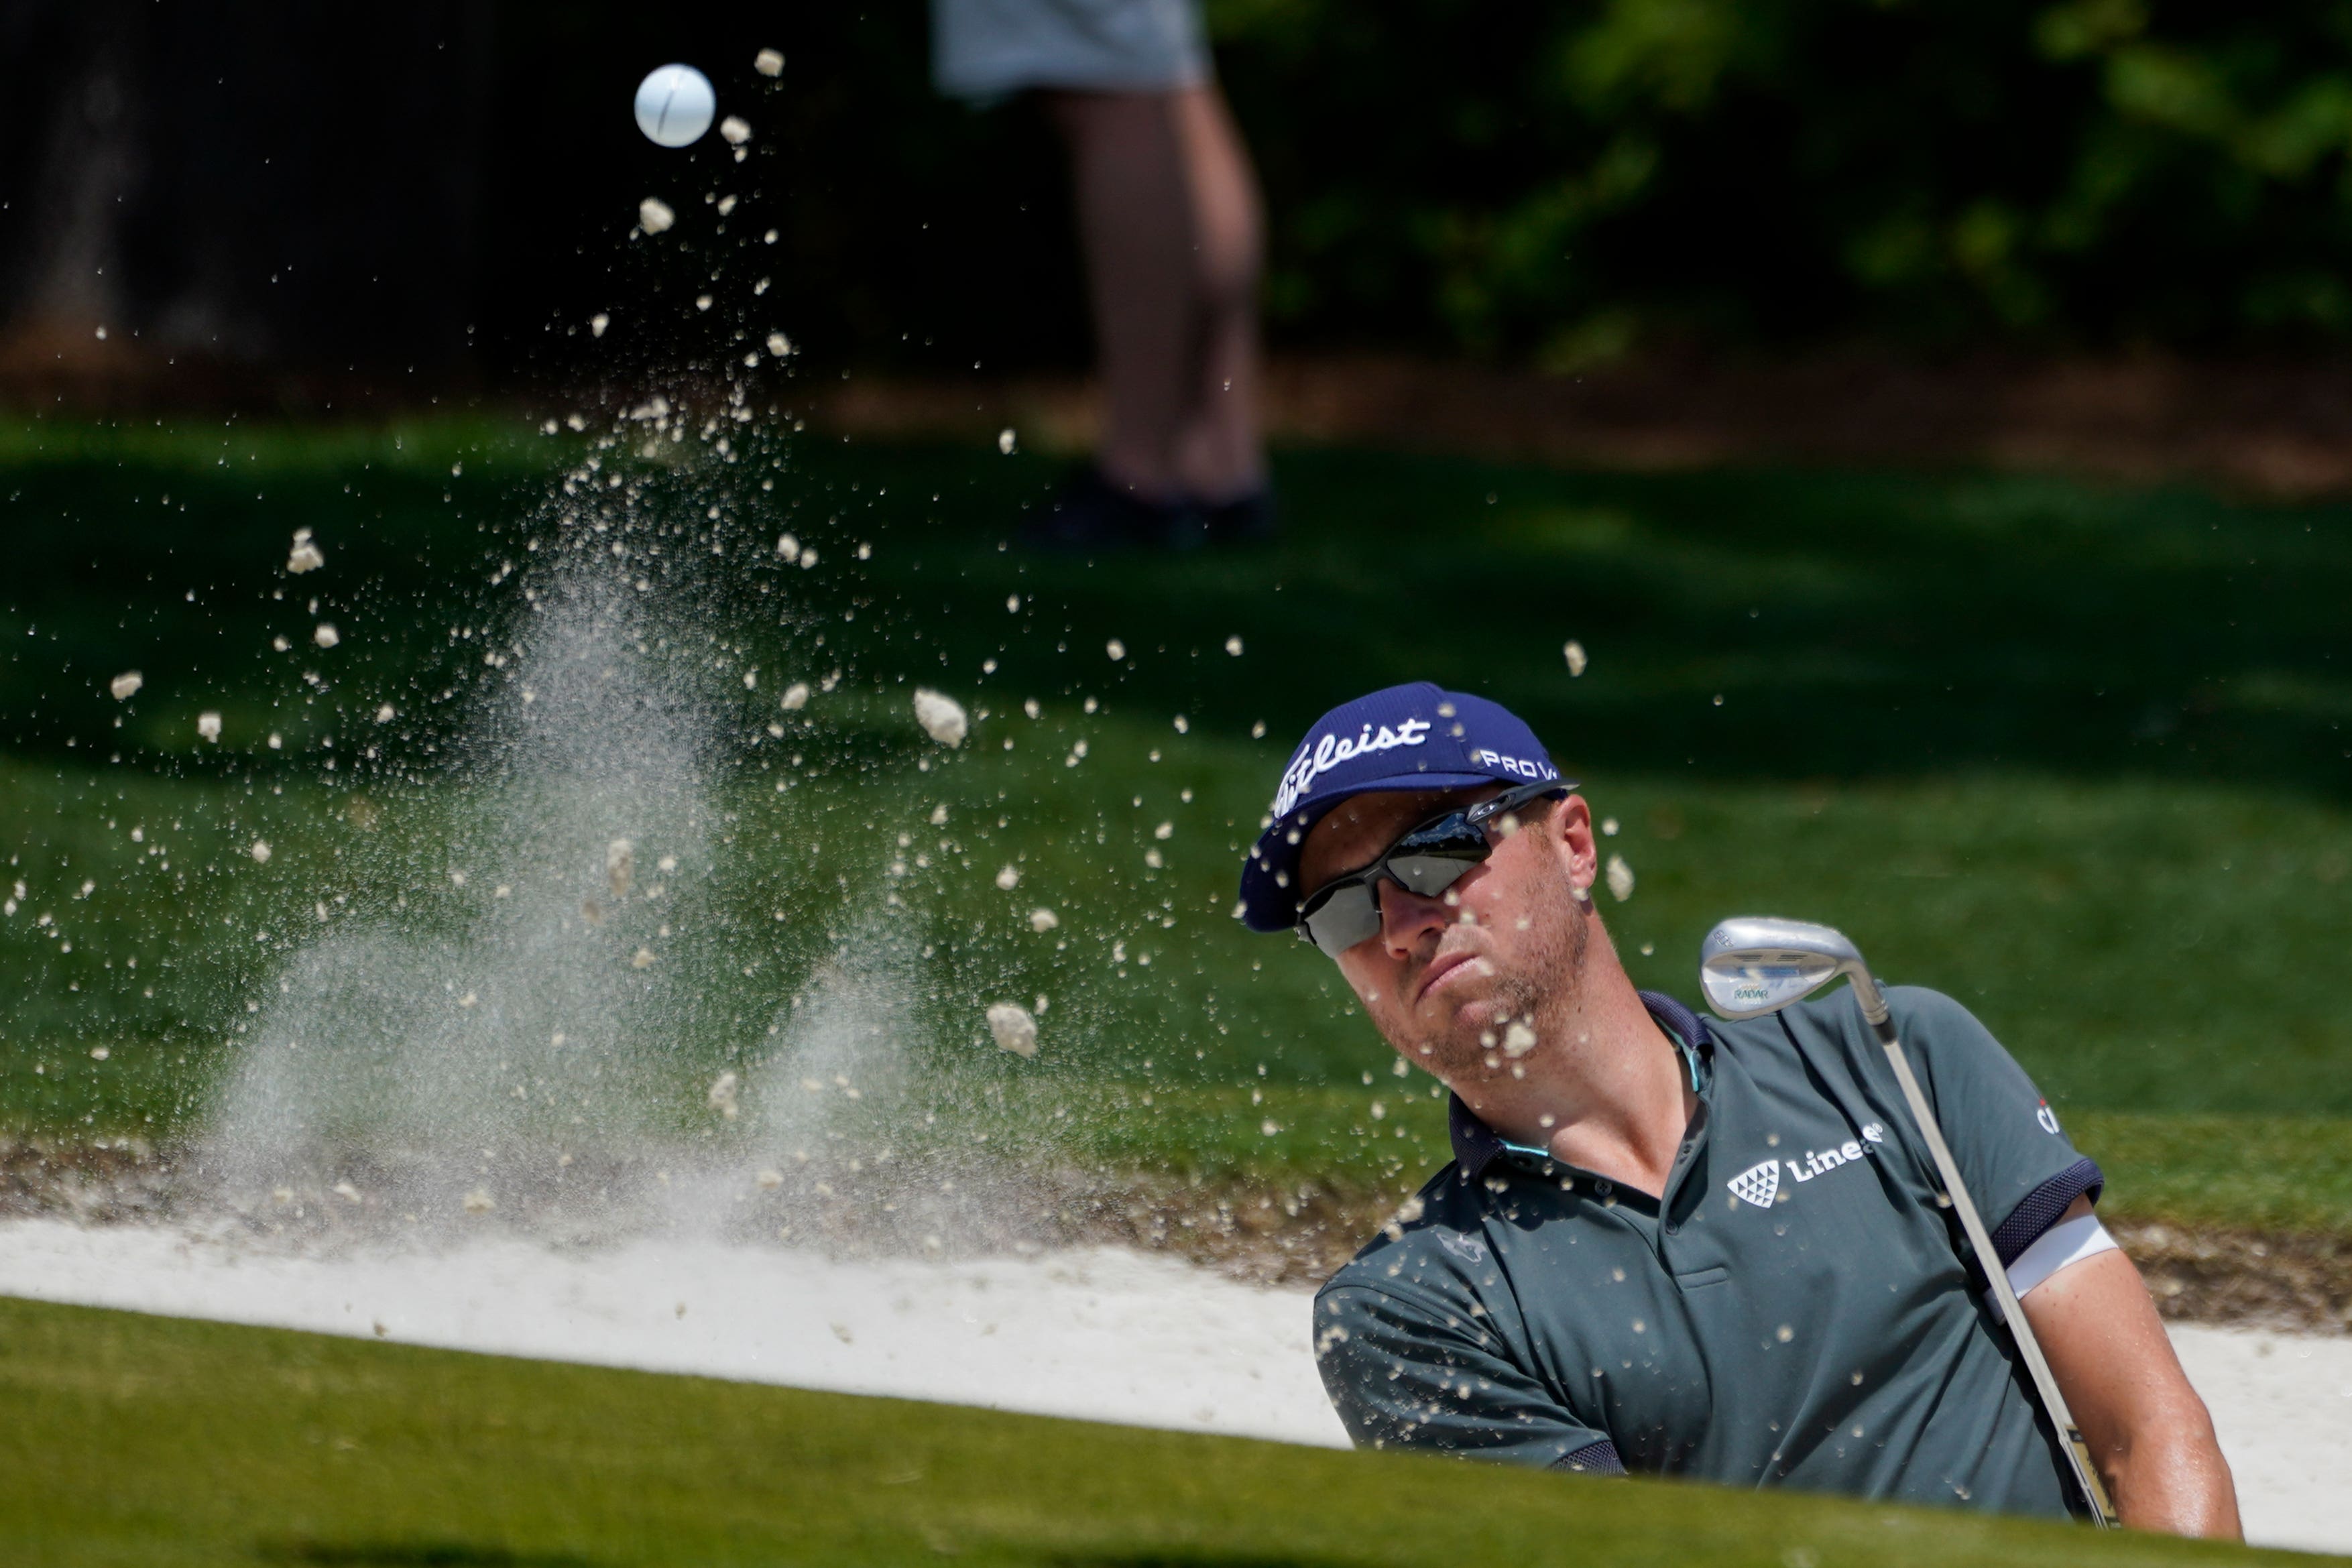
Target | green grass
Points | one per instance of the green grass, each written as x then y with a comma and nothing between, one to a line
2073,754
2278,1174
156,1442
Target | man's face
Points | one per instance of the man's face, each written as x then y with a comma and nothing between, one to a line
1445,977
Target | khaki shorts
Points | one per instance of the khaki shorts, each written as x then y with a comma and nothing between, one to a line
990,49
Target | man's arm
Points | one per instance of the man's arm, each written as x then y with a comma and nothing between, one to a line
2149,1433
1409,1372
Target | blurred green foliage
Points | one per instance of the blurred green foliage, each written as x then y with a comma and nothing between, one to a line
1546,183
1556,181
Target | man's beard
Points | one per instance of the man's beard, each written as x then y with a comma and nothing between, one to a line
1553,964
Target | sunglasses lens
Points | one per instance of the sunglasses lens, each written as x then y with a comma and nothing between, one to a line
1425,862
1352,913
1347,918
1430,875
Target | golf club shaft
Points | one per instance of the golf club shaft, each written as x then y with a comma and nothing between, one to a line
2078,1451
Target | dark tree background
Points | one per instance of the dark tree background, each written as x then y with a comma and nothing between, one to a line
358,198
247,182
425,195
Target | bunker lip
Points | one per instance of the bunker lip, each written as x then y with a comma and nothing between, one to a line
1295,1233
1096,1334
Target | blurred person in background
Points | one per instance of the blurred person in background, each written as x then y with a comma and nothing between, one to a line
1169,221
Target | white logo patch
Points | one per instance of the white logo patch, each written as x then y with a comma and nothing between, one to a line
1520,766
1757,1184
1330,750
2048,1118
1469,1249
1819,1162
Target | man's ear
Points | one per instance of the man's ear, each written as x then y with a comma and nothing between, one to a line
1569,825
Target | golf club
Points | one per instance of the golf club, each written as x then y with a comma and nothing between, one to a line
1754,964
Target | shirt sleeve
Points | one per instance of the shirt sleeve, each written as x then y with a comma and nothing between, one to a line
1408,1374
2018,1162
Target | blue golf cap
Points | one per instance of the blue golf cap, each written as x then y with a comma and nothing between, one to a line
1417,737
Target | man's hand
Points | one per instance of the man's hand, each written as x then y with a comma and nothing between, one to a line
2149,1434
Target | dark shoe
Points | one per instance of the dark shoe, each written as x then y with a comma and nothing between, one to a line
1244,520
1092,514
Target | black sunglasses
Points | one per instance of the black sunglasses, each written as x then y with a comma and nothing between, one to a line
1427,861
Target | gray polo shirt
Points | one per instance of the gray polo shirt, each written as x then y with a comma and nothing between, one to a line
1799,1310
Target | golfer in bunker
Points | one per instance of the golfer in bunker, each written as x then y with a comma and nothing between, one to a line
1677,1247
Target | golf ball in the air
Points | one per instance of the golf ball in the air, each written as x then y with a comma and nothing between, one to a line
675,105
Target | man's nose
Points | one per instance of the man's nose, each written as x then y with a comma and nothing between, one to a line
1407,919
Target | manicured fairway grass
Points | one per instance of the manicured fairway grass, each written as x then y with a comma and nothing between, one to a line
2075,754
153,1442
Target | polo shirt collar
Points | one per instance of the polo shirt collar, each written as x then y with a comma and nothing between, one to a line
1477,1146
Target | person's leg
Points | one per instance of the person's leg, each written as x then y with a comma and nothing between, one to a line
1218,453
1136,227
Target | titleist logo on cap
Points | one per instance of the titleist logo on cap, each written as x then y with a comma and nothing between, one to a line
1329,751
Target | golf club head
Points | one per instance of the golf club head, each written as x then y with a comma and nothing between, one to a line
1757,964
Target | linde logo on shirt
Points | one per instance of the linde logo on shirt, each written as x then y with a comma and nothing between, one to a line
1817,1161
1759,1183
1330,750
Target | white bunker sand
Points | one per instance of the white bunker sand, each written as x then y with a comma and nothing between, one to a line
2282,1403
1100,1334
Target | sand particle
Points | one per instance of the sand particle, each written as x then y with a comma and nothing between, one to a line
305,556
941,716
1014,1029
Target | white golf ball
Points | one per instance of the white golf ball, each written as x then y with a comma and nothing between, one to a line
675,105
